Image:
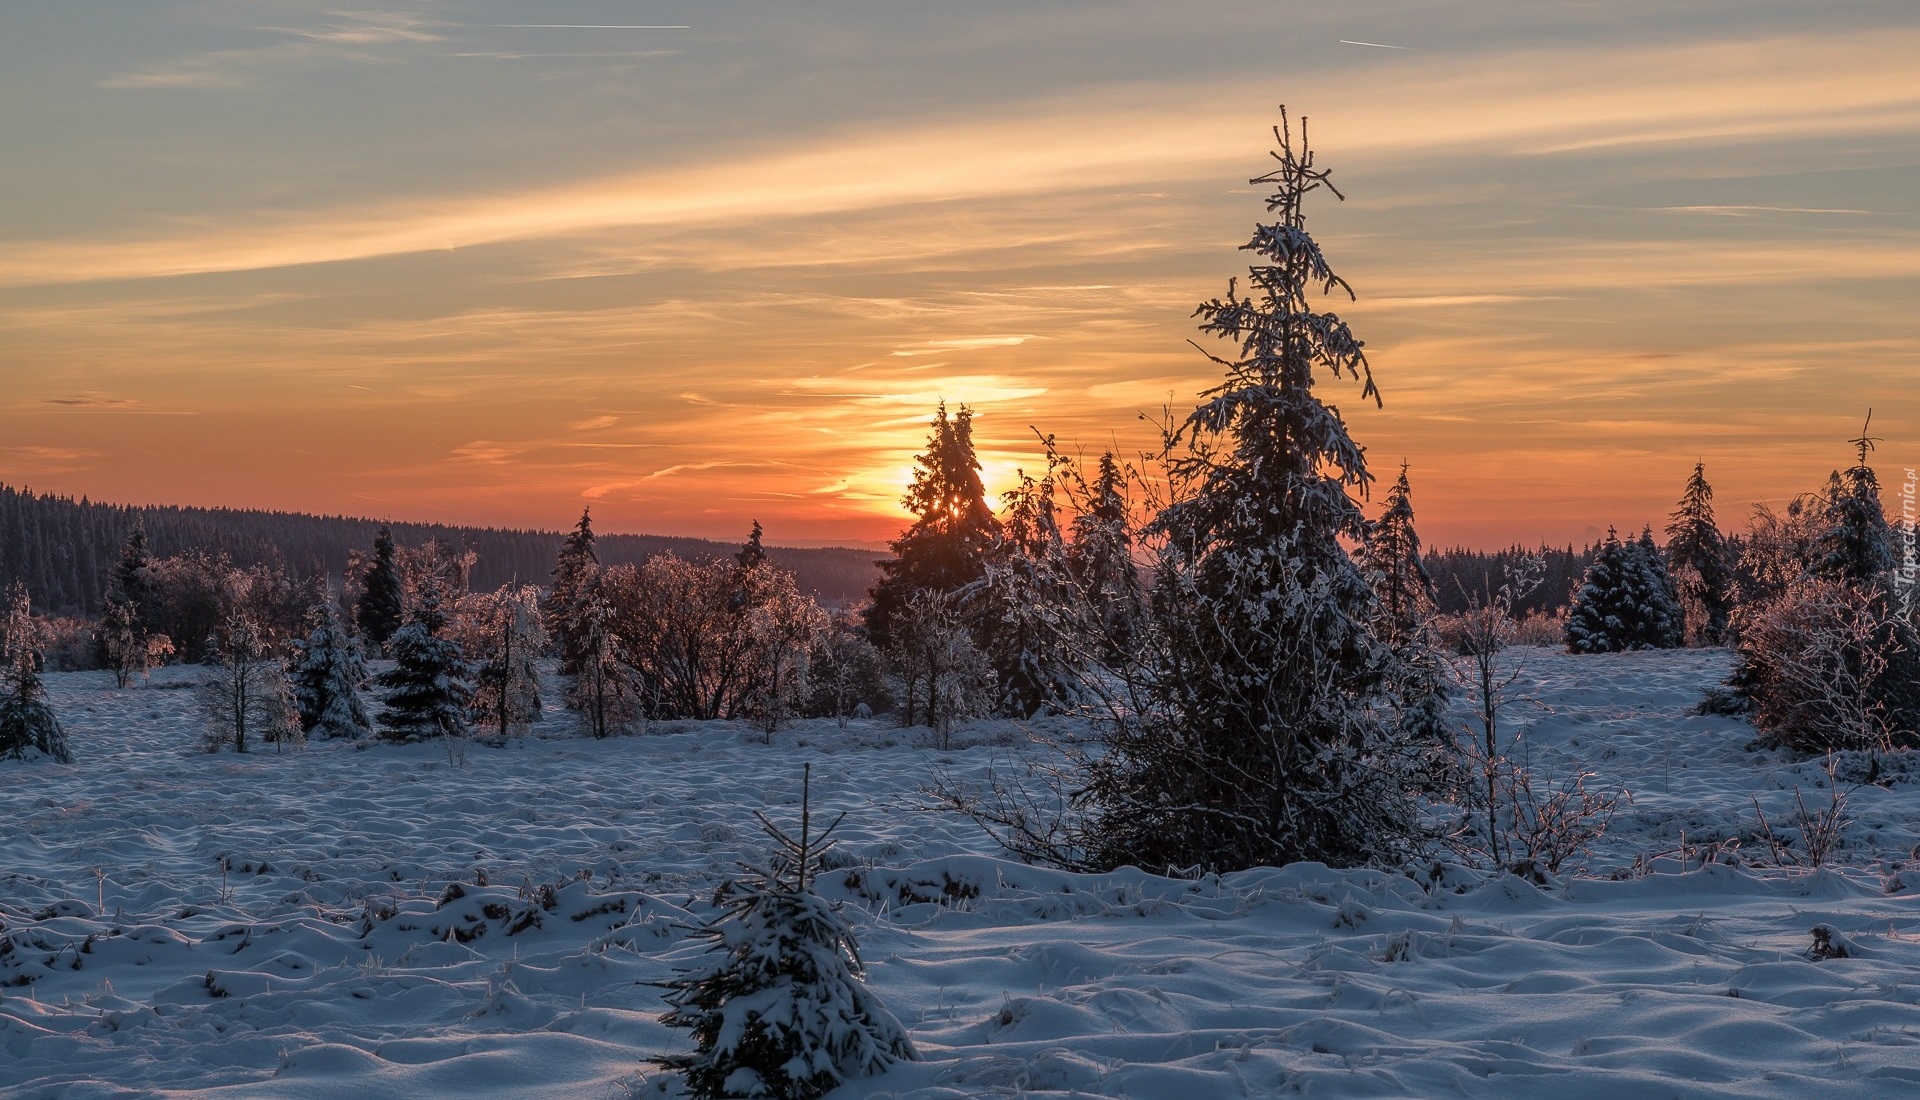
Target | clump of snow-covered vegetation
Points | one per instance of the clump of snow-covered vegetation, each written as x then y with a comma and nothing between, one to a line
1176,775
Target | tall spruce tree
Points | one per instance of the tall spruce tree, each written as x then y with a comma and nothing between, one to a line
382,603
1391,558
1857,547
1664,625
327,678
27,723
573,574
1022,608
427,691
132,582
1698,561
131,602
946,547
1100,559
1261,738
752,553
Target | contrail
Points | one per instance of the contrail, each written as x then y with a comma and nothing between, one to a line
588,26
1375,45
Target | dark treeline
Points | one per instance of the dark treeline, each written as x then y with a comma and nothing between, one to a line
1460,574
62,548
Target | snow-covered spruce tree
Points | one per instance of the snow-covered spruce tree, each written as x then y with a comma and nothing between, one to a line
1625,600
1101,558
752,553
1857,546
1390,557
781,1011
1663,624
1023,609
1258,735
945,549
1697,560
427,691
327,678
573,572
27,723
382,606
246,693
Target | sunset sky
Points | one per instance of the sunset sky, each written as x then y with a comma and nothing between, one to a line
696,264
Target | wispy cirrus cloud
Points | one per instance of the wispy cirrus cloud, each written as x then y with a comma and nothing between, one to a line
348,36
1531,104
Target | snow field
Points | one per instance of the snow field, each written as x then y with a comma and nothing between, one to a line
390,925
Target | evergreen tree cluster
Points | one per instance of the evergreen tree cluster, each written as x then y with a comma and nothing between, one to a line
1462,576
1827,657
1627,600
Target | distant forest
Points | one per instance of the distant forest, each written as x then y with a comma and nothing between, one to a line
1460,574
62,548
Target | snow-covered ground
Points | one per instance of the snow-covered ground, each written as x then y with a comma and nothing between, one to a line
388,925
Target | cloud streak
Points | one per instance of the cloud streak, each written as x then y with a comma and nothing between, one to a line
1533,104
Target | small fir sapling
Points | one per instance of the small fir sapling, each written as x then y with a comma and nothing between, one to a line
327,680
27,723
780,1011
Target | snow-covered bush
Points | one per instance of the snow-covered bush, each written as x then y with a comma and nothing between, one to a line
246,693
1828,660
780,1011
936,672
1826,667
503,634
27,723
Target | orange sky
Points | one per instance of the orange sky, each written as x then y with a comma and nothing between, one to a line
410,264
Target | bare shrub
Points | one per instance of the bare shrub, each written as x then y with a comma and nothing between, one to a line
1811,835
1817,663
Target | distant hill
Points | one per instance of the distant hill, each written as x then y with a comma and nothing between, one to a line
62,547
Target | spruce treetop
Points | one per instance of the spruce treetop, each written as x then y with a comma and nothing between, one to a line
946,547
